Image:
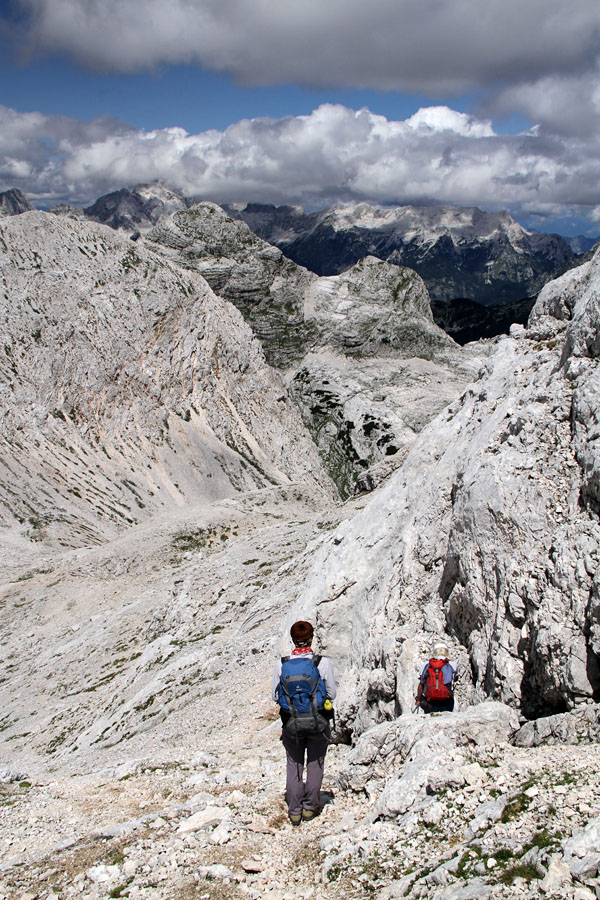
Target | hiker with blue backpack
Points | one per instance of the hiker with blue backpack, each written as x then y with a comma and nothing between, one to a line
435,692
304,686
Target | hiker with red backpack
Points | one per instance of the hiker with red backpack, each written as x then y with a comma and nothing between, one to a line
436,682
304,686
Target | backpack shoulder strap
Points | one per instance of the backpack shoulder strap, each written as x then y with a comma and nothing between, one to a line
284,659
317,659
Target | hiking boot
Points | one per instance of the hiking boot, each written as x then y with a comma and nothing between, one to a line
295,818
308,814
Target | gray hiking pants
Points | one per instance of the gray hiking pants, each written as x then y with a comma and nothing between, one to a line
298,795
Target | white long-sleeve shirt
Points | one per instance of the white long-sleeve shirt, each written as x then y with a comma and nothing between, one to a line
325,671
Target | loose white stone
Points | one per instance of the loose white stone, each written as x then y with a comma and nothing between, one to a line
103,874
556,877
204,818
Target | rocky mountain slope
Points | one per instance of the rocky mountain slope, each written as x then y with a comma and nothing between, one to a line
139,751
466,253
338,340
582,244
13,203
256,277
129,387
141,207
465,320
489,533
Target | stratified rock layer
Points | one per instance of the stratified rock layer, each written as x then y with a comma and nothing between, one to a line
266,287
128,387
336,338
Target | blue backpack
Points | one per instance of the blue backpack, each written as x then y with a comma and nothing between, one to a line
301,694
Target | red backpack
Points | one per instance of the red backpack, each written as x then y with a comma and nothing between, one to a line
434,687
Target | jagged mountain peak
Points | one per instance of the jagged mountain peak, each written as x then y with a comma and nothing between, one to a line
13,202
138,208
425,224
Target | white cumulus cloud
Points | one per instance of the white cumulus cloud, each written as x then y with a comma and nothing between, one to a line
335,154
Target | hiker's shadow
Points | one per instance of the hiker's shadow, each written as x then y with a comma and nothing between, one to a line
326,797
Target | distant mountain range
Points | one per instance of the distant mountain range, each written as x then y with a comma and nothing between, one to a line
581,244
459,252
468,258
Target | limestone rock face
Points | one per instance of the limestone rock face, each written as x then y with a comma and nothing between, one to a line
13,202
128,387
372,308
335,338
135,209
488,534
266,287
365,413
379,370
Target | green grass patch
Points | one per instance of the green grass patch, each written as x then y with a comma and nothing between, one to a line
121,889
468,860
542,839
515,808
526,871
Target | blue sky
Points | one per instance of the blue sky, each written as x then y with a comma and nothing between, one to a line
495,105
188,96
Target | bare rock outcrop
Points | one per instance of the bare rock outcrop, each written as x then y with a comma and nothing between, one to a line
581,725
13,202
267,288
378,372
382,751
488,534
338,340
127,387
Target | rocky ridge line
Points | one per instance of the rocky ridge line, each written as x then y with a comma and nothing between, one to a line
337,340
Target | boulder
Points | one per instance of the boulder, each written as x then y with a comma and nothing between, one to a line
565,728
418,754
581,852
204,818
